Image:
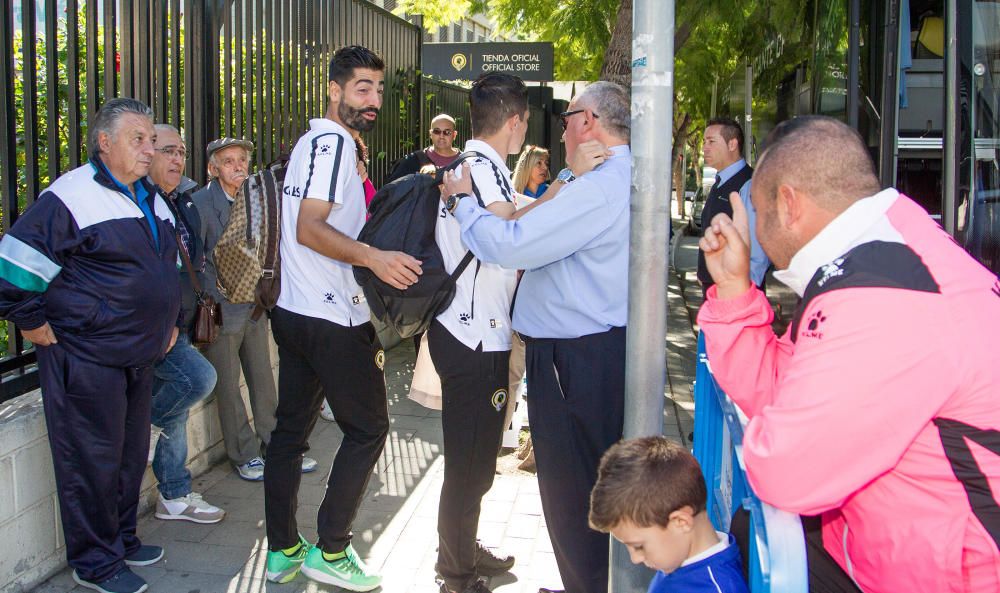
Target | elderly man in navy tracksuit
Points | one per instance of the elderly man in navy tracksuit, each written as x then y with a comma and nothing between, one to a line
89,275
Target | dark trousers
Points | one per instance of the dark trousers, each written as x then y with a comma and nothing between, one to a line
473,408
576,411
98,423
825,575
319,359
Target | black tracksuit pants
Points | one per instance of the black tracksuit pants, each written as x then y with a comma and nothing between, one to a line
576,409
473,409
98,423
320,359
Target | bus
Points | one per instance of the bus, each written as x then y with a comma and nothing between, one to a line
915,78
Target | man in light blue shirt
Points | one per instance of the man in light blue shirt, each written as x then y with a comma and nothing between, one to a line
571,309
722,149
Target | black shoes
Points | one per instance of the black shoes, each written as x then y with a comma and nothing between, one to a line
477,586
489,564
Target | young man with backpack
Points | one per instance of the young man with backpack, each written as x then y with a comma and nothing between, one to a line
470,342
327,346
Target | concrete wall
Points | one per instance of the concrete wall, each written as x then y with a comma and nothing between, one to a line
29,511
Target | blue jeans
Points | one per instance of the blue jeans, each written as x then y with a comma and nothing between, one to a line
180,380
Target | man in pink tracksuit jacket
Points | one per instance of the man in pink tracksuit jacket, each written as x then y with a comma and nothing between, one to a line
879,408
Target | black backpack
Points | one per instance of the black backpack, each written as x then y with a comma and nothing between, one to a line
402,217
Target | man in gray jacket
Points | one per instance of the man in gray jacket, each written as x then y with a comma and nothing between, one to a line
242,341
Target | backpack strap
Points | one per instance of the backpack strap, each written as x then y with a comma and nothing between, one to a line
458,163
268,183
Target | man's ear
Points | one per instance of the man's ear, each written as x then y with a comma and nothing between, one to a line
104,141
682,519
789,205
334,91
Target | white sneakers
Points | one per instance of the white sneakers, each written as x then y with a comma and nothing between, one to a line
325,412
188,508
253,470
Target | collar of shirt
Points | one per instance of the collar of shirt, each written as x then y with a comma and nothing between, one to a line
844,232
322,124
725,174
717,547
140,189
480,146
619,150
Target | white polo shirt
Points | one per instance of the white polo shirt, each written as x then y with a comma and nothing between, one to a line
480,312
323,166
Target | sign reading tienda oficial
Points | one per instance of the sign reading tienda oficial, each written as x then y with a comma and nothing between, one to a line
466,61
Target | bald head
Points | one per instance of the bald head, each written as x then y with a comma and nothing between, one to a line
819,156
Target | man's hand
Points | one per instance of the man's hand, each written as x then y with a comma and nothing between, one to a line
395,268
173,339
726,245
456,185
40,336
587,156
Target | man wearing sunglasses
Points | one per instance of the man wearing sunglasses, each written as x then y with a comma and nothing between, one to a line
440,153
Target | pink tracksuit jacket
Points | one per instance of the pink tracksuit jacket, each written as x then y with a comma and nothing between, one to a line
880,406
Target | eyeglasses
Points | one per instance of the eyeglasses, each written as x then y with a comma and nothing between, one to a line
565,114
440,132
173,152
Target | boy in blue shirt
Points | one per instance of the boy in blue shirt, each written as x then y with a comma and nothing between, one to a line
650,495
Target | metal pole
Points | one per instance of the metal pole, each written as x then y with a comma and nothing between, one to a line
748,116
853,62
652,131
951,111
890,95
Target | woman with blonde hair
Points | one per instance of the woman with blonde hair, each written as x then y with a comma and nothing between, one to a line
531,174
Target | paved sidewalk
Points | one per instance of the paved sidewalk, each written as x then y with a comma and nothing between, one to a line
396,528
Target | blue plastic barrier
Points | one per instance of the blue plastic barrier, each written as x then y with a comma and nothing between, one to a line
777,545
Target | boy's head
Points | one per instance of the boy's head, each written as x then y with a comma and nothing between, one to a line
498,104
650,495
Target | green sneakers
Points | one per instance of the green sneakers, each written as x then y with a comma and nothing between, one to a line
345,570
282,567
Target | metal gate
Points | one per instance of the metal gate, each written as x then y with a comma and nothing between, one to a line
251,68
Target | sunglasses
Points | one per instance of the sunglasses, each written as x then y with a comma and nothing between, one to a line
565,114
440,132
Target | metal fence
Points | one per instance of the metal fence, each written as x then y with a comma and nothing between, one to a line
253,68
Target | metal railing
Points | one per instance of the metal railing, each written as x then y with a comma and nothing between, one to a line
251,68
776,547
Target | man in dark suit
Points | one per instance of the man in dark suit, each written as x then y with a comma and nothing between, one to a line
184,377
242,341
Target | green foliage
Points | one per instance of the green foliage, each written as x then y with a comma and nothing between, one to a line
579,31
436,13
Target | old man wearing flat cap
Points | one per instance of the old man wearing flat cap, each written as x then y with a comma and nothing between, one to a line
243,342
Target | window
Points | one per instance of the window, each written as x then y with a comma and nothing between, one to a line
457,31
469,35
443,34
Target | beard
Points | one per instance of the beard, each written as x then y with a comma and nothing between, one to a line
354,118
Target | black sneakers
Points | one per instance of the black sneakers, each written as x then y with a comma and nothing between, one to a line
477,586
489,564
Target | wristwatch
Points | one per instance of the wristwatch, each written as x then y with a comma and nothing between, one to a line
452,202
565,176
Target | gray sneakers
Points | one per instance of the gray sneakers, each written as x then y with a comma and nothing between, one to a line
188,508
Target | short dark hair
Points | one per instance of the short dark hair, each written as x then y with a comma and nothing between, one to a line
731,130
642,481
820,155
495,98
347,59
